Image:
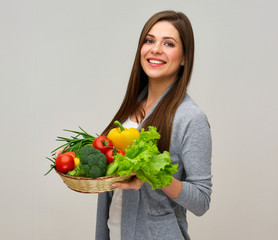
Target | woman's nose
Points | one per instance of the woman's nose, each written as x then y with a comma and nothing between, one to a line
156,48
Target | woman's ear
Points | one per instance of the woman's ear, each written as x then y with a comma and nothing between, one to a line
182,63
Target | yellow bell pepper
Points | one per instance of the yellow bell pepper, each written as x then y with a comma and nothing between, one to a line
76,161
122,137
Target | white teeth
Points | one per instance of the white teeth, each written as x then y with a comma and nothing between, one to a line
156,61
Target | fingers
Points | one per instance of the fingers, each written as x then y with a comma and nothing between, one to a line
59,151
134,184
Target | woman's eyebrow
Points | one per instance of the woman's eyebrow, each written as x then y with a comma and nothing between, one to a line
166,37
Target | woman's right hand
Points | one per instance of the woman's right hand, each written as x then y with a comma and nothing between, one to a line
59,151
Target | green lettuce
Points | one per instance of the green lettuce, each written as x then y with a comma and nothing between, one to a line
145,161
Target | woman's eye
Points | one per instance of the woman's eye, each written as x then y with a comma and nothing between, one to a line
148,41
169,44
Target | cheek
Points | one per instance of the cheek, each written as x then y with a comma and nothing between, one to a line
143,53
176,56
144,50
178,60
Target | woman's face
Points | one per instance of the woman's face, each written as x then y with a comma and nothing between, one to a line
162,54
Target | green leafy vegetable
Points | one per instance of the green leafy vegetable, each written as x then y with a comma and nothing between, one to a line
144,159
77,172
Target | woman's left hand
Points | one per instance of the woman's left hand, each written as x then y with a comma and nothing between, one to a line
135,183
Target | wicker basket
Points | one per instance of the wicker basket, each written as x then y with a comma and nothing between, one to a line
89,185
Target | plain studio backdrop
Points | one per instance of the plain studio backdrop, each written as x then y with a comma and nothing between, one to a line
65,64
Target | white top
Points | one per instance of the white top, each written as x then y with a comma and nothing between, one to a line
115,211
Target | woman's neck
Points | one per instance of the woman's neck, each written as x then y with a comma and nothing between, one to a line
155,89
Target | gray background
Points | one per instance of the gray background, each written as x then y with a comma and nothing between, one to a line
65,64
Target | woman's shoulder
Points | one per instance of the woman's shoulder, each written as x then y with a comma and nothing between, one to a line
189,111
189,120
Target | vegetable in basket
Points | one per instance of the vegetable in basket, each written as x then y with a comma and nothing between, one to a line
72,145
111,153
76,159
144,159
93,163
122,137
103,144
64,163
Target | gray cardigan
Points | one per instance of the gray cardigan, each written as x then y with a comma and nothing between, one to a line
150,214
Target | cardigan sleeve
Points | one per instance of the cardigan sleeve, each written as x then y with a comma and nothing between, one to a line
195,154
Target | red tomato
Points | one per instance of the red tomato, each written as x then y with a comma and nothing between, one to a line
64,163
71,153
110,154
103,144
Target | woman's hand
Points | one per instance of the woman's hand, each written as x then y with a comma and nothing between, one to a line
59,151
135,183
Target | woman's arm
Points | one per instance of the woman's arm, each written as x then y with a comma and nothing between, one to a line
174,189
195,154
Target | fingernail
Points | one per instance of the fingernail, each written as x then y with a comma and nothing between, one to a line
114,185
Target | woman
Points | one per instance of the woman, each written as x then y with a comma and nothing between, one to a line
156,96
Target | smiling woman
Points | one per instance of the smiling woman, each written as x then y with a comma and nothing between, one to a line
157,96
162,53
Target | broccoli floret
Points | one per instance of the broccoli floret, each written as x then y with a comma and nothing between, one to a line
93,161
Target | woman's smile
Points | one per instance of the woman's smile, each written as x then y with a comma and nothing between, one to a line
156,62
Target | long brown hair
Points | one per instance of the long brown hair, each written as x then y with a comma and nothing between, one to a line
138,80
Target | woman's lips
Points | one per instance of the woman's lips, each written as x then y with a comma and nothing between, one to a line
155,62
